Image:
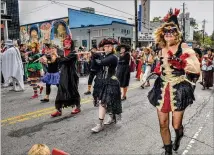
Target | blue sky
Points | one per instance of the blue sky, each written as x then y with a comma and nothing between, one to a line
35,11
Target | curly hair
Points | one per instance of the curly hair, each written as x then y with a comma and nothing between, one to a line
159,34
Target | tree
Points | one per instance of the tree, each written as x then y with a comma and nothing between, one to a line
157,19
193,23
197,36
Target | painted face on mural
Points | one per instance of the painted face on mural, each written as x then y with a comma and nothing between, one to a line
34,36
61,31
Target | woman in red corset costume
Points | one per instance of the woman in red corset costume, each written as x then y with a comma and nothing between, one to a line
172,91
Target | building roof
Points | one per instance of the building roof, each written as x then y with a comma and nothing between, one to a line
103,25
79,19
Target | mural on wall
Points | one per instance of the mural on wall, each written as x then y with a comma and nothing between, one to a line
53,31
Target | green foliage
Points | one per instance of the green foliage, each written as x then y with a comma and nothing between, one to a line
156,19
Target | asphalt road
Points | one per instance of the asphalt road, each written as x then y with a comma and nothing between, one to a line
26,122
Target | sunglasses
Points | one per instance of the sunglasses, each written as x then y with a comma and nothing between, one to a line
170,30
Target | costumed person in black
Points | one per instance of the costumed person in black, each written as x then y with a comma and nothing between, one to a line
67,94
34,68
98,81
110,95
52,75
172,91
93,69
123,69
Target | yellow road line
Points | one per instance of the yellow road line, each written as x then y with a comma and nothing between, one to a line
45,111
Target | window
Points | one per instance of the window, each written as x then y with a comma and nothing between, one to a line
95,33
105,32
3,8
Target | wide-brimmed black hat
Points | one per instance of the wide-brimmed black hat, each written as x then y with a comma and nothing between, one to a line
127,47
108,41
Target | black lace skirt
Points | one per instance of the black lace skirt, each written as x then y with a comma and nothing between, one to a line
98,85
110,95
182,95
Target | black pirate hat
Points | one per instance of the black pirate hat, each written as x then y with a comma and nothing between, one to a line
127,47
108,41
172,17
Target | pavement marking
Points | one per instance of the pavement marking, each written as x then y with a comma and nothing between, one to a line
46,111
189,146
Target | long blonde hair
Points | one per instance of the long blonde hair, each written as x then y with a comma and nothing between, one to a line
159,34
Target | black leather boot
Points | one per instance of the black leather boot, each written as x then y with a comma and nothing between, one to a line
179,134
168,149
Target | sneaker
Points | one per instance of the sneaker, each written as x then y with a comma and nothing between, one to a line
98,128
56,114
109,121
44,100
87,93
34,96
76,111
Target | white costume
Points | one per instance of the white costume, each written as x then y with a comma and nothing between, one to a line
12,67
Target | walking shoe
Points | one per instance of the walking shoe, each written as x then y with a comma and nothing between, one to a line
56,114
41,89
34,96
76,111
109,121
87,93
123,98
98,128
44,100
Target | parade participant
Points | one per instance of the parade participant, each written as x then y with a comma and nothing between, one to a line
98,81
207,69
109,98
123,69
12,67
148,60
67,94
93,69
22,49
172,92
34,68
52,76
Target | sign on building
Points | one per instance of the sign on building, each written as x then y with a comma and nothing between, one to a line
145,37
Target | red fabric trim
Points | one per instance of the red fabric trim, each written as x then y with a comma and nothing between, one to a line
176,12
66,52
170,53
139,69
157,69
184,56
166,105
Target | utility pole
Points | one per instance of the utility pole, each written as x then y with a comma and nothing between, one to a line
184,21
136,24
203,26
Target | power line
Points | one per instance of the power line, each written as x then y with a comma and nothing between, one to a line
111,7
37,9
68,6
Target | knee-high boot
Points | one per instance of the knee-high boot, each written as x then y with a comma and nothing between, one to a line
179,134
168,149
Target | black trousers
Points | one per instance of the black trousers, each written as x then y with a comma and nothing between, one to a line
91,77
48,89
